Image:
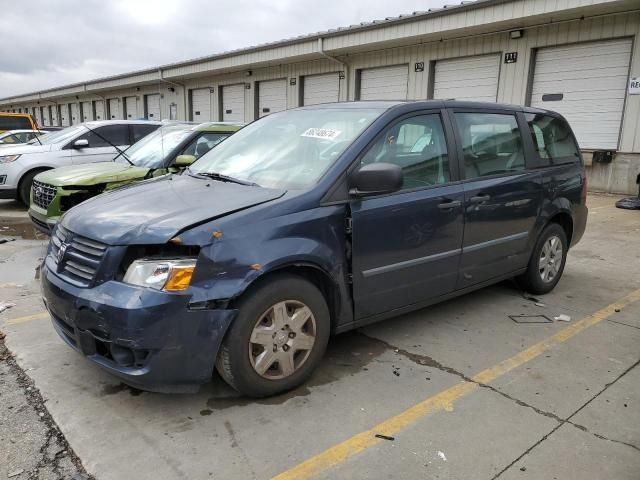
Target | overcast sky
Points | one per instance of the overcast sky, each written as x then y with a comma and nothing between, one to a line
49,43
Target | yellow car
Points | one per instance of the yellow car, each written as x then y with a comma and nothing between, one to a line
17,121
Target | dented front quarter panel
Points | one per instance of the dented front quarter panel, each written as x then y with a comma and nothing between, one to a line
239,249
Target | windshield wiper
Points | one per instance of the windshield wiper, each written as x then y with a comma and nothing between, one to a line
223,178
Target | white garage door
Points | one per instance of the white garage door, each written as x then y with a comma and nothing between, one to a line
386,83
55,115
232,103
114,108
75,113
131,107
153,107
201,105
65,120
87,111
46,117
38,116
469,78
320,89
272,97
99,109
587,84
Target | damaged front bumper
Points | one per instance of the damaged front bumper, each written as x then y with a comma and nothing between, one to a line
149,339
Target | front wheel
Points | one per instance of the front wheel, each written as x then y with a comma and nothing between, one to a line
278,338
24,190
547,261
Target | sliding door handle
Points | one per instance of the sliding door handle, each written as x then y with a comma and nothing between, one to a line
449,204
480,199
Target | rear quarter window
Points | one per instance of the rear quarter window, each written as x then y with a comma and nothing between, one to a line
552,139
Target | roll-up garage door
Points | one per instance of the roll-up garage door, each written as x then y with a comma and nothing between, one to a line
114,109
587,84
75,113
99,109
201,105
55,115
232,103
38,115
323,88
385,83
131,107
469,78
87,111
46,116
65,121
272,97
152,107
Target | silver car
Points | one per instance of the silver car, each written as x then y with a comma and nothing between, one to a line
83,143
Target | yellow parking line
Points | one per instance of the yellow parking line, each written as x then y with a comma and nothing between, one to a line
27,318
444,400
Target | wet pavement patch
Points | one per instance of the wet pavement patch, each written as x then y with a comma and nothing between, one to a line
19,227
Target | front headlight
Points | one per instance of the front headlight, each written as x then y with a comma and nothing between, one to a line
8,158
171,275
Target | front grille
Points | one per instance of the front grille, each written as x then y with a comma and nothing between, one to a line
80,259
43,194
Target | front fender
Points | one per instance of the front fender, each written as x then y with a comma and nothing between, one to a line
238,255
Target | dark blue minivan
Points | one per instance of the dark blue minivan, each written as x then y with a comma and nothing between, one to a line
308,223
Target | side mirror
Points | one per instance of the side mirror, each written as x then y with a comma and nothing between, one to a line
184,160
82,143
376,179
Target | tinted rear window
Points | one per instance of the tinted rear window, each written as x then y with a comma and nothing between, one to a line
552,139
141,131
14,123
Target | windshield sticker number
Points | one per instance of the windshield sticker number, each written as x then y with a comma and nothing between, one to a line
324,133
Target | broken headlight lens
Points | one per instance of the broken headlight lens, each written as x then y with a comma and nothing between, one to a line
171,275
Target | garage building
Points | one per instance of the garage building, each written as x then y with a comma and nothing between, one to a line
576,57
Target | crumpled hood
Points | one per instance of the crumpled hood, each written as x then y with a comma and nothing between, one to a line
92,174
154,211
25,149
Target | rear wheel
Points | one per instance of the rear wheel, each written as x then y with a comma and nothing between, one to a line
547,261
278,338
24,190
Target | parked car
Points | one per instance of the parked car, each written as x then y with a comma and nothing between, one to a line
168,149
16,121
82,143
11,138
310,222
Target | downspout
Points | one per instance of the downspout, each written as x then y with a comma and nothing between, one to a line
346,67
181,85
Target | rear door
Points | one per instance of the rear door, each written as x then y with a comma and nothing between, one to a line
502,197
101,141
406,245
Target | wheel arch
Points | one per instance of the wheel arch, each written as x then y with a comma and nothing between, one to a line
310,271
35,170
565,220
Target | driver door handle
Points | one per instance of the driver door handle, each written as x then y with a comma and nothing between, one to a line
449,204
480,199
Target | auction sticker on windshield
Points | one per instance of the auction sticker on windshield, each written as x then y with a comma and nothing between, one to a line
325,133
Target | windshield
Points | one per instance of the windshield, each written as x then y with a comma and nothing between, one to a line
152,150
59,136
290,149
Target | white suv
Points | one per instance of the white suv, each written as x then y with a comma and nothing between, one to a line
82,143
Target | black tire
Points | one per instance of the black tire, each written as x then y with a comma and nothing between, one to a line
531,280
24,189
234,364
